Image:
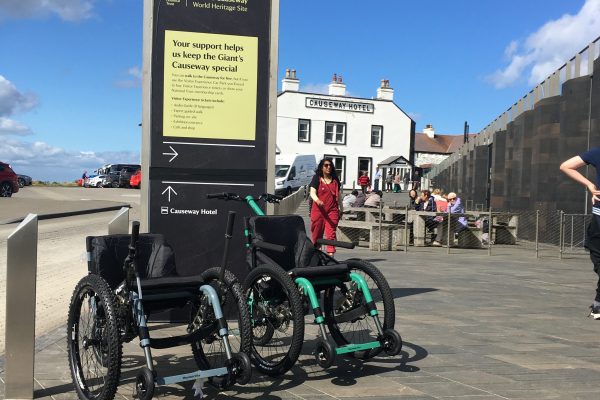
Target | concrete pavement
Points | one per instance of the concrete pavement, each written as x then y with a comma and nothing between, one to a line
475,327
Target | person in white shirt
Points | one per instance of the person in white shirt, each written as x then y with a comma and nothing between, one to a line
349,199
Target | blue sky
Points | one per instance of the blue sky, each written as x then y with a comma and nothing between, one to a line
70,89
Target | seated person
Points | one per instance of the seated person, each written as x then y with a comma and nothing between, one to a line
373,199
427,203
349,199
455,207
360,200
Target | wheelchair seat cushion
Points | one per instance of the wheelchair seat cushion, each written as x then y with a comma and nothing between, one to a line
288,231
324,271
106,255
171,283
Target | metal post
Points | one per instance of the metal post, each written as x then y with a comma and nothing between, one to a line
490,230
21,272
380,221
572,216
120,223
449,229
560,235
537,232
406,234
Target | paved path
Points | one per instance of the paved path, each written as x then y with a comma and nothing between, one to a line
475,327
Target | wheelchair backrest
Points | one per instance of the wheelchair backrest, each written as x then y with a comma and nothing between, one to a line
106,255
288,231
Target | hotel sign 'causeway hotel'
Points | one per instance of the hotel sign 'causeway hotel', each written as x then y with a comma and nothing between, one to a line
340,105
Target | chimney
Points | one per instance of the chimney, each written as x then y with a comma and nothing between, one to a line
429,131
385,92
290,83
337,87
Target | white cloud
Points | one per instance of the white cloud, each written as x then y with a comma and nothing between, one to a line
133,81
43,161
68,10
549,47
11,127
12,100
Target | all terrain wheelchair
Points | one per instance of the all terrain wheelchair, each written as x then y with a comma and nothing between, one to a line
130,278
288,275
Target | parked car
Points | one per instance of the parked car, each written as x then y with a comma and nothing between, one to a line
126,174
136,179
9,183
96,181
86,181
24,180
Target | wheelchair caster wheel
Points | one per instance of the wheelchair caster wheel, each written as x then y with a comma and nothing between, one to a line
324,354
241,368
144,384
391,342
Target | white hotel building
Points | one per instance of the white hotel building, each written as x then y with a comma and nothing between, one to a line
359,134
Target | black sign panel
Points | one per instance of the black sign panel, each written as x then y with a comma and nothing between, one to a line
209,122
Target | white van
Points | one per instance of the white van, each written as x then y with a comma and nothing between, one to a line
293,171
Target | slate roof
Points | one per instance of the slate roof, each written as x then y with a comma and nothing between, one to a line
440,144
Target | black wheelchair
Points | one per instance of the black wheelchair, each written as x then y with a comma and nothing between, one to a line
288,275
132,277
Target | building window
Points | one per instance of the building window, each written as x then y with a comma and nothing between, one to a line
340,165
335,132
376,136
304,130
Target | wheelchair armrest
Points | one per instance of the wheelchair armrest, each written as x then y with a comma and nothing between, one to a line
269,246
345,245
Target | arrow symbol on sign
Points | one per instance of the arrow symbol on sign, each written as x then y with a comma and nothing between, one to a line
174,154
168,191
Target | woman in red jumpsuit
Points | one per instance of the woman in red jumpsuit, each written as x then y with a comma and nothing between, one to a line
325,193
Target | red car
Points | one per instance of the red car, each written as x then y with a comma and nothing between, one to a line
9,182
136,179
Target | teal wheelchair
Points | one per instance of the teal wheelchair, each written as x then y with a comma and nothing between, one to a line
290,277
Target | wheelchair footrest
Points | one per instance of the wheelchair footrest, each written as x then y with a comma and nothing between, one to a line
168,380
350,348
182,340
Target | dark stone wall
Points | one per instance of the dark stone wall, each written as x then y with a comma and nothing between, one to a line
527,155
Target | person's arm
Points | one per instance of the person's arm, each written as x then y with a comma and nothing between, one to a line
313,195
570,167
314,185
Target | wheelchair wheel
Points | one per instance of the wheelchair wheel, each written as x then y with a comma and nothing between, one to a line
144,384
324,353
93,344
210,352
339,300
276,311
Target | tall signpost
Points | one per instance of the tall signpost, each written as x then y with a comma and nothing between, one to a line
209,120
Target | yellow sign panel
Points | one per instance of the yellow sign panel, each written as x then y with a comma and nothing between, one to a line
210,86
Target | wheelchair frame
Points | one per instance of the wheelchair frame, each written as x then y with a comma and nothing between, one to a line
388,339
130,304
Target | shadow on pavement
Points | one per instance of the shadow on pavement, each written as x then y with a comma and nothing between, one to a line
345,372
405,292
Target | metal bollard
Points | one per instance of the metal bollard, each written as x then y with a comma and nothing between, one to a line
120,223
21,273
